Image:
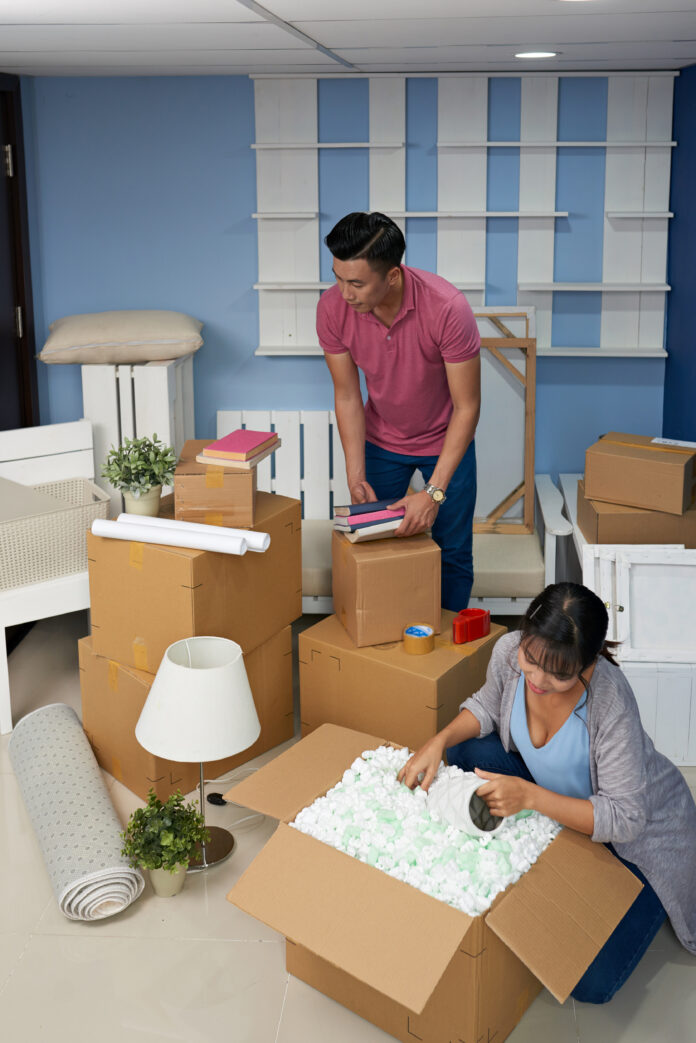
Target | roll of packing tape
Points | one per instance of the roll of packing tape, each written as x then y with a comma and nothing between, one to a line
419,639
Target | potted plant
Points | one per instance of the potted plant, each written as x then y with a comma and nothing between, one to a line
163,837
139,467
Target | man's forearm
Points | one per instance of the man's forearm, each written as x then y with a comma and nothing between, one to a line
350,416
458,437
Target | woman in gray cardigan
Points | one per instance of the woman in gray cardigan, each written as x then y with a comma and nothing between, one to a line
556,728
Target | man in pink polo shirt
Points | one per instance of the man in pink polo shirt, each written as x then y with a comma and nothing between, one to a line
415,338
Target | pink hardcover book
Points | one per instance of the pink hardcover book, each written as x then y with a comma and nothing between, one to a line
355,520
240,444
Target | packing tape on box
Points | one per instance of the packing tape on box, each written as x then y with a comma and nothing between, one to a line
648,445
419,639
214,477
255,541
113,676
71,812
166,536
139,654
214,518
135,556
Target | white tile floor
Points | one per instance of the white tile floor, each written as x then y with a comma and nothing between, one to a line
195,968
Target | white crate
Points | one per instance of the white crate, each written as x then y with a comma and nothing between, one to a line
45,546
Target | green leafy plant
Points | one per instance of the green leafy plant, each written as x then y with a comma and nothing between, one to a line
139,464
163,835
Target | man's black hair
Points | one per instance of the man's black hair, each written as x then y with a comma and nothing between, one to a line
372,237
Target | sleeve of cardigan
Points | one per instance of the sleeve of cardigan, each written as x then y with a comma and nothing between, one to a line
620,804
486,703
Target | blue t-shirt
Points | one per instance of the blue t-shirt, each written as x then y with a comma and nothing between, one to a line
563,764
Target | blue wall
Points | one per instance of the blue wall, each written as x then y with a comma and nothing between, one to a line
680,372
140,196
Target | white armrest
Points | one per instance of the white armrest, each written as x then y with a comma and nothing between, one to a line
551,506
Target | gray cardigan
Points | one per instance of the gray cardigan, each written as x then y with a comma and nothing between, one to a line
642,804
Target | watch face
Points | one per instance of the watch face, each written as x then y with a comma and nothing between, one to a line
438,495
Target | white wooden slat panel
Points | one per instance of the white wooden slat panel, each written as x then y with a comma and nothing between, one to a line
607,592
185,415
31,471
543,303
461,178
654,252
658,122
499,435
657,178
154,387
316,479
45,440
672,720
657,589
101,406
620,319
126,405
388,123
228,420
627,103
288,250
285,110
287,181
260,420
339,483
642,678
287,318
287,480
306,318
651,327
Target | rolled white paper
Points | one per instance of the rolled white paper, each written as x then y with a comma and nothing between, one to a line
256,541
452,796
115,530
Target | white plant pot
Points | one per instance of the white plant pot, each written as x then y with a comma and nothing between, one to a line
166,884
146,503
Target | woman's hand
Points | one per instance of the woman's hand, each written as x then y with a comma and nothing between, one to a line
504,794
426,761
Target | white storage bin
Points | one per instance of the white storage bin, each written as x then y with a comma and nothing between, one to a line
45,546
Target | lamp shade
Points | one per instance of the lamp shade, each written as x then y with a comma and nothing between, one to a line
200,706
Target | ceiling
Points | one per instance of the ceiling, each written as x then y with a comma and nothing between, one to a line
234,37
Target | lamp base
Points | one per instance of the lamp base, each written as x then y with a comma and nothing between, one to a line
219,847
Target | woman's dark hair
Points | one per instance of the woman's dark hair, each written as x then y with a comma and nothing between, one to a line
373,237
570,623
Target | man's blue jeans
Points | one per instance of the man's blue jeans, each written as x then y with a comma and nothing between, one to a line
389,475
622,951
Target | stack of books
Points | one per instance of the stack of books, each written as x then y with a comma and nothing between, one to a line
367,521
240,450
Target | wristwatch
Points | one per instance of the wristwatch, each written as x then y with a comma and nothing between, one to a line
435,494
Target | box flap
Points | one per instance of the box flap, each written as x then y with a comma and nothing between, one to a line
400,943
306,771
559,915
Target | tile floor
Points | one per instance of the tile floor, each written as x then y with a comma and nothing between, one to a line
195,968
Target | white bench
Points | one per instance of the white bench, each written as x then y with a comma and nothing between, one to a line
310,465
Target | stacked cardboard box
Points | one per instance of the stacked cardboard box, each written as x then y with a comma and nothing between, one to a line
638,489
144,597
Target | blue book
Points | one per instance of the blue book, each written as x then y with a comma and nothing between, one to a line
362,508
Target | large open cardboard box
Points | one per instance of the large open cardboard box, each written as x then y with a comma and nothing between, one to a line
113,696
383,690
636,471
382,586
145,596
410,964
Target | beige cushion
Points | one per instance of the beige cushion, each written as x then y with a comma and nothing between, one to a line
507,566
316,558
122,337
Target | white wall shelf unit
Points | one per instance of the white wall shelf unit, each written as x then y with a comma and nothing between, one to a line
637,149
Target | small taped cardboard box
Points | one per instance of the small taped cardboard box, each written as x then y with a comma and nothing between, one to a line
113,696
145,596
410,964
614,523
382,586
212,494
382,689
637,471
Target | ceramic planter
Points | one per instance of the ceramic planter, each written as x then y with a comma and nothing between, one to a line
146,503
166,884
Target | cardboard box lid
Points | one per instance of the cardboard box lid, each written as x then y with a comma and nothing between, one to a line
559,914
400,943
643,447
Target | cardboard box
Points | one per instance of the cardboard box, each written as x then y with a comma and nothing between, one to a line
382,586
632,470
407,962
613,523
145,596
113,696
383,690
211,494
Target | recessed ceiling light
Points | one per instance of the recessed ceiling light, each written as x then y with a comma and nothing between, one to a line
536,54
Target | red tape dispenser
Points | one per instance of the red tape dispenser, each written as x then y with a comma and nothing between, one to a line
470,624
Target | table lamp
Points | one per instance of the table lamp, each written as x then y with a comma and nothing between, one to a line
200,708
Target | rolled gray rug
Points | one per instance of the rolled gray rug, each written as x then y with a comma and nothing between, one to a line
72,815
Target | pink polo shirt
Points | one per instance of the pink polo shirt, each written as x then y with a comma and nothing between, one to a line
409,404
